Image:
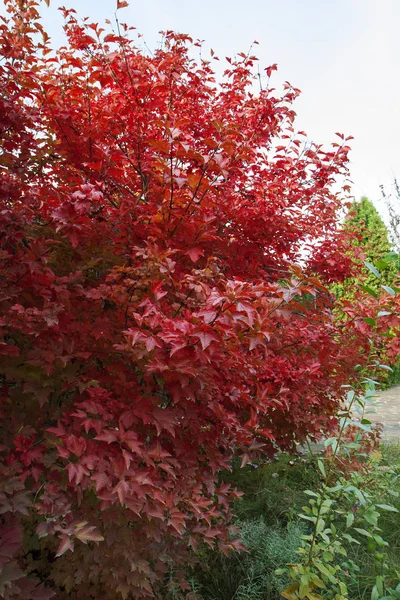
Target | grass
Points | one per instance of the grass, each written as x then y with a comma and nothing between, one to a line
275,489
252,575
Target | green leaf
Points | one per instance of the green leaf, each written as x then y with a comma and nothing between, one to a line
327,556
326,506
380,541
304,586
306,518
320,525
361,425
375,595
350,539
321,467
373,269
325,537
382,264
371,384
371,517
369,290
329,442
350,396
337,488
349,520
317,582
389,290
360,496
370,321
325,571
390,256
371,392
388,507
363,532
379,584
352,445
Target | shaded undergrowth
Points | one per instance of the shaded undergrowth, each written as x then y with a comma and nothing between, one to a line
266,517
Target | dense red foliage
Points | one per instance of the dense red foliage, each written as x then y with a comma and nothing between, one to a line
153,319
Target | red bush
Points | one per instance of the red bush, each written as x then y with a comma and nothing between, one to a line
153,321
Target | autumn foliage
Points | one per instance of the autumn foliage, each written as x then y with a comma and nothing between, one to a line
154,319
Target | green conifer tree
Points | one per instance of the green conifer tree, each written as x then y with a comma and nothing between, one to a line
372,238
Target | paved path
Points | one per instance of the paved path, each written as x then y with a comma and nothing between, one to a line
388,412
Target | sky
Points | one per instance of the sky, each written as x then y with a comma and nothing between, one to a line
343,54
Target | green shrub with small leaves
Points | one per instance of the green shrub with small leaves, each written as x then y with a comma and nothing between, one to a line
346,510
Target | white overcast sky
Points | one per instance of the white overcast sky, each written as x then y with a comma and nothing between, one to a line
343,54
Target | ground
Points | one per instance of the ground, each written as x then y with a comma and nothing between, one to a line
388,412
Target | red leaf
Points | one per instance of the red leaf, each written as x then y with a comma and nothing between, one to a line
164,419
151,343
107,436
8,350
269,70
101,480
206,338
177,520
193,543
110,37
127,458
76,445
195,254
123,490
45,528
76,471
65,544
59,431
245,460
88,533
